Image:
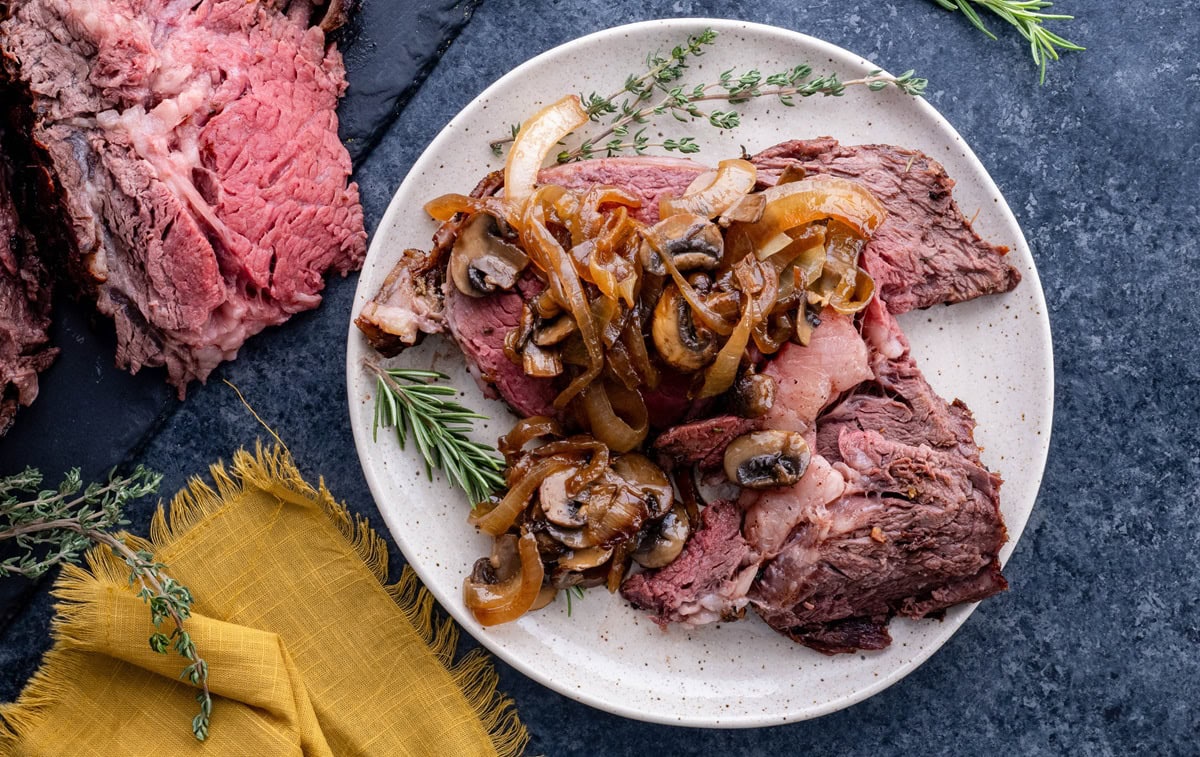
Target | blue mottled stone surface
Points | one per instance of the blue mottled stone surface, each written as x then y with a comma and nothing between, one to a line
1096,649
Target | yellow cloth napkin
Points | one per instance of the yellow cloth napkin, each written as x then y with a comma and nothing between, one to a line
309,652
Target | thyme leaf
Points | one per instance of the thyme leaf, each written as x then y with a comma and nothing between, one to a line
53,526
660,91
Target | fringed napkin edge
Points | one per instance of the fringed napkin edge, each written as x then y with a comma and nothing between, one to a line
273,471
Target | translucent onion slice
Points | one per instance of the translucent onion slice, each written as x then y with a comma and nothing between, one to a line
512,597
721,374
546,253
448,205
512,444
621,434
619,565
843,285
802,202
580,445
618,519
534,141
723,371
500,518
733,180
858,298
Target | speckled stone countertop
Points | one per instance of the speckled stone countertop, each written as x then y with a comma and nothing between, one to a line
1096,649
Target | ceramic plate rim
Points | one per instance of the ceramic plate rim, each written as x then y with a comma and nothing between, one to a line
362,432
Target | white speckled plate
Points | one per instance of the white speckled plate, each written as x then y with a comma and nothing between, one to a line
993,353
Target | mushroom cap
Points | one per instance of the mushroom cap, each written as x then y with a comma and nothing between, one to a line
691,240
647,478
680,341
481,262
753,394
663,539
767,459
560,508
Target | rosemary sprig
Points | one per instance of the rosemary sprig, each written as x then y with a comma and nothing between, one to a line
657,92
407,398
575,590
53,526
1027,17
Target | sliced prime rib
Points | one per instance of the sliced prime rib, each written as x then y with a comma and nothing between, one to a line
897,402
895,514
410,303
915,531
843,636
702,443
418,299
708,581
925,252
807,379
189,150
24,309
650,179
479,326
772,515
925,240
901,512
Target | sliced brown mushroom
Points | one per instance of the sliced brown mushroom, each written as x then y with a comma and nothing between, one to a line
593,499
753,394
684,344
791,172
481,262
663,539
571,538
807,319
579,560
540,363
555,331
647,478
565,579
516,339
618,519
544,597
558,506
767,459
545,305
692,241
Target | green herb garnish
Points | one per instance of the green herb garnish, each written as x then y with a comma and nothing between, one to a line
1027,17
658,92
52,526
575,590
409,399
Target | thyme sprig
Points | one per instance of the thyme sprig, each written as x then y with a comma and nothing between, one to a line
683,103
408,399
1027,18
658,92
53,526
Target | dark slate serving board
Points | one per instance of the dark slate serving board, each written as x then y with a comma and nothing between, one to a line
390,46
92,415
89,413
